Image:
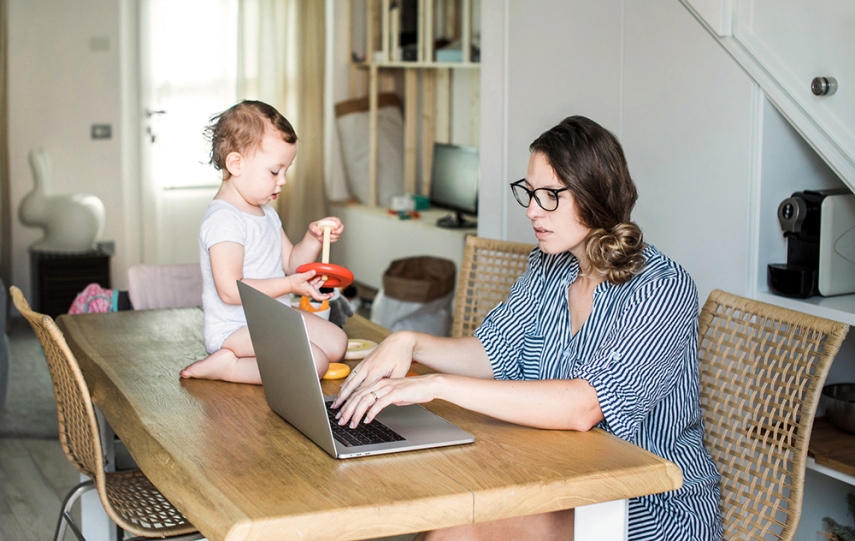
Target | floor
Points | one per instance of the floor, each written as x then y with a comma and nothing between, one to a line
35,476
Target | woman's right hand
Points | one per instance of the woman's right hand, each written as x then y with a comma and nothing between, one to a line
391,359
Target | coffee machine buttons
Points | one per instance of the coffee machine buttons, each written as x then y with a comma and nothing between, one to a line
791,214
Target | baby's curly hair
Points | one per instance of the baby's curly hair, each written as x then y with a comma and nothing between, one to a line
240,128
589,160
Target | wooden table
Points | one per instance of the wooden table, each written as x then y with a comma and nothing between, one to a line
238,471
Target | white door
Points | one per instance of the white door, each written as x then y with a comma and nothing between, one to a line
188,55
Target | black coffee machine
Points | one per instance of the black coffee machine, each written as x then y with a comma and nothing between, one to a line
800,217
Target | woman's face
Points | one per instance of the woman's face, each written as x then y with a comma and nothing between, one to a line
559,230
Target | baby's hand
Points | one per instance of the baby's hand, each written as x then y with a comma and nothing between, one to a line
307,284
317,232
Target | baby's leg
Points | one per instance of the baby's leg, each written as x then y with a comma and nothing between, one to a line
329,342
234,362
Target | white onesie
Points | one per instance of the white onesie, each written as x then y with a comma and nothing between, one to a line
261,239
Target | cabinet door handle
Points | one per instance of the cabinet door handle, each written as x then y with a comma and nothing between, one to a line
823,86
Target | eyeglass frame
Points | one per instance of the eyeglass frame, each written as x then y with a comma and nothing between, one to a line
532,194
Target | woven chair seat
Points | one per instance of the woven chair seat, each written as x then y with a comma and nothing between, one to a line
142,506
487,273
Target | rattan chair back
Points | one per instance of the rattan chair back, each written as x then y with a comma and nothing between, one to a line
489,269
128,497
78,426
762,369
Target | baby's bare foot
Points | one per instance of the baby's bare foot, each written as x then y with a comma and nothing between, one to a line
217,365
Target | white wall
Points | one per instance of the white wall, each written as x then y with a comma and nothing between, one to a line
648,72
651,74
688,134
63,77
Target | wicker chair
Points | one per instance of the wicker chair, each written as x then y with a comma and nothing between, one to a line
129,498
489,269
762,369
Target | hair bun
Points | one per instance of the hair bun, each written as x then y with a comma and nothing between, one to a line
616,253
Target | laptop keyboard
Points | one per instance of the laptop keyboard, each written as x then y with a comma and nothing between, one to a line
363,434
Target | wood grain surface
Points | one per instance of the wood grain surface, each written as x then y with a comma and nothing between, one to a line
238,471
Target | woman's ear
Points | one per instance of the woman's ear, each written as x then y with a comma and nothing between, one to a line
234,163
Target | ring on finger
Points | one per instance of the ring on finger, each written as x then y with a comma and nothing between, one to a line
374,395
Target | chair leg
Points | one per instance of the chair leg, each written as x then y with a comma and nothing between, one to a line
65,513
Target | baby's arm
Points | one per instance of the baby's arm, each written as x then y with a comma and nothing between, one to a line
308,249
227,268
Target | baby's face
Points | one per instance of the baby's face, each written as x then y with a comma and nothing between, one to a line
263,172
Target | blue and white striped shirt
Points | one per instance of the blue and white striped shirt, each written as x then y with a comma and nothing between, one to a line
639,350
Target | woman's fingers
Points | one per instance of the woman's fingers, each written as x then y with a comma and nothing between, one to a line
357,406
351,383
367,402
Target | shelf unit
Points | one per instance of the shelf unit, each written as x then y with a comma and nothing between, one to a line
832,451
840,308
392,238
423,77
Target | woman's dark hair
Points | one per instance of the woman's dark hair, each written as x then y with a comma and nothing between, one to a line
240,128
589,160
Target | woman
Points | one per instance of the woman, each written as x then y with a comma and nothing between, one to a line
601,330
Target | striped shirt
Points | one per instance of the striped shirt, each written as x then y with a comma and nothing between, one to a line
639,350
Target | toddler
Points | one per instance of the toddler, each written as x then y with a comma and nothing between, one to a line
241,238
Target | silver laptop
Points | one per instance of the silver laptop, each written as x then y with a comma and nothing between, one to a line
293,390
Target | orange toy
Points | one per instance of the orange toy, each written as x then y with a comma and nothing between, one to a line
306,304
337,371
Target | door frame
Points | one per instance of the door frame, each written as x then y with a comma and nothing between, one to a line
129,132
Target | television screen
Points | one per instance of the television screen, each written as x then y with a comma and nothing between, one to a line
454,183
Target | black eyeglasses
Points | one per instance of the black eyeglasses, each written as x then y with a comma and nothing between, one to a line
523,195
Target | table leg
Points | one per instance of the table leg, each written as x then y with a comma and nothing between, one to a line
602,521
94,521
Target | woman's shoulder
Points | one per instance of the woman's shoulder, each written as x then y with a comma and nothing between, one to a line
660,276
659,266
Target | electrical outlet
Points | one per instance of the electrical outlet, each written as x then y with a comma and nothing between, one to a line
102,131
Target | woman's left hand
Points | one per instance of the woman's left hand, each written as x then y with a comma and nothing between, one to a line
367,402
391,359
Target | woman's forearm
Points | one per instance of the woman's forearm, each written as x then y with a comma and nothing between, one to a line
551,404
462,356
